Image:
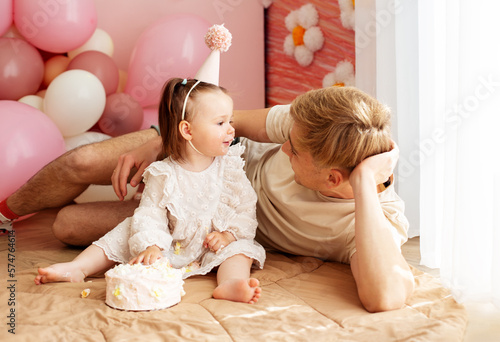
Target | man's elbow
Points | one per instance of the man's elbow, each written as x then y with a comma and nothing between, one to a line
383,303
392,298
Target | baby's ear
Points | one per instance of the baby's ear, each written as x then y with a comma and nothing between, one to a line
185,130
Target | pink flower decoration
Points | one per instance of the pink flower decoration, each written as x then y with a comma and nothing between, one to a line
218,38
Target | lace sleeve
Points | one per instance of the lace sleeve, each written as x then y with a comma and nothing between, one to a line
150,224
244,222
237,210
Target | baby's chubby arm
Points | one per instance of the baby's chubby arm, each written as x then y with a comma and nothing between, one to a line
217,240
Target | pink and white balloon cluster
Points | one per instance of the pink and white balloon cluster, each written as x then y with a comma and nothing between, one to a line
76,83
58,79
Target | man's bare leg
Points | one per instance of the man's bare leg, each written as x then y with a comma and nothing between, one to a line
82,224
63,179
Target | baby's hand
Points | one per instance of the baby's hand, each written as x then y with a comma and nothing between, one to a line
147,257
218,240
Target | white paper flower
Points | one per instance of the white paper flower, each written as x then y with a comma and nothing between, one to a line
347,13
267,3
305,36
343,75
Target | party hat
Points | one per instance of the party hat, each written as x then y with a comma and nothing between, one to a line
218,39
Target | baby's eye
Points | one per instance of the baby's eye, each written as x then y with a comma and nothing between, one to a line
220,123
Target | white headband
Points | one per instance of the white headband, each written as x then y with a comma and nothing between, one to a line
186,99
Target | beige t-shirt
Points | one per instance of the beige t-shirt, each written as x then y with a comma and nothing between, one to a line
297,220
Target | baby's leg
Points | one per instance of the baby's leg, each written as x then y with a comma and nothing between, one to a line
234,282
91,261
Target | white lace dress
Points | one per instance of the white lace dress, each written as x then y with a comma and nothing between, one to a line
179,208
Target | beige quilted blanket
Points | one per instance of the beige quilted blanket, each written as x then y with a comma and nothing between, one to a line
303,299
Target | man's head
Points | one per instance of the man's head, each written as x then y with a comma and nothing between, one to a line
341,126
334,130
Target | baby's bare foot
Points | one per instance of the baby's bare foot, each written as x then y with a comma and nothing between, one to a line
239,290
59,272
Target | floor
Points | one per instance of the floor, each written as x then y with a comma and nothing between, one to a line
484,319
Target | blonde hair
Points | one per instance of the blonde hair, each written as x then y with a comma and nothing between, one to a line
341,126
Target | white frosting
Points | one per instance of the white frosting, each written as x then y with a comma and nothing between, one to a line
139,288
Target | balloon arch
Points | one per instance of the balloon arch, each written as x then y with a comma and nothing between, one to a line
59,82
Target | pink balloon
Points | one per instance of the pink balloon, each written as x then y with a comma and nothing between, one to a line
29,140
55,25
173,46
21,69
99,64
5,16
122,114
150,117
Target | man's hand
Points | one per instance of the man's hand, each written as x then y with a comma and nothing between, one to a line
217,240
140,158
380,166
147,257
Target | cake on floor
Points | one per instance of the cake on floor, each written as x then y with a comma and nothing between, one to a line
141,287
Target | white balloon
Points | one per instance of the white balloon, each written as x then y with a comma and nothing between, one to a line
84,139
75,101
33,100
100,41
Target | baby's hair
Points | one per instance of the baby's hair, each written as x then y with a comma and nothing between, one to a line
170,111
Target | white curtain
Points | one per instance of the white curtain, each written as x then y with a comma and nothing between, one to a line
437,64
459,146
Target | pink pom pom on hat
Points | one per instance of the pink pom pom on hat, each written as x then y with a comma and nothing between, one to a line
218,39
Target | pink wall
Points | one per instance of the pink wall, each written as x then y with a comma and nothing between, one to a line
242,67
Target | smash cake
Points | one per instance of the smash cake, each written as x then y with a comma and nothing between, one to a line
141,287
